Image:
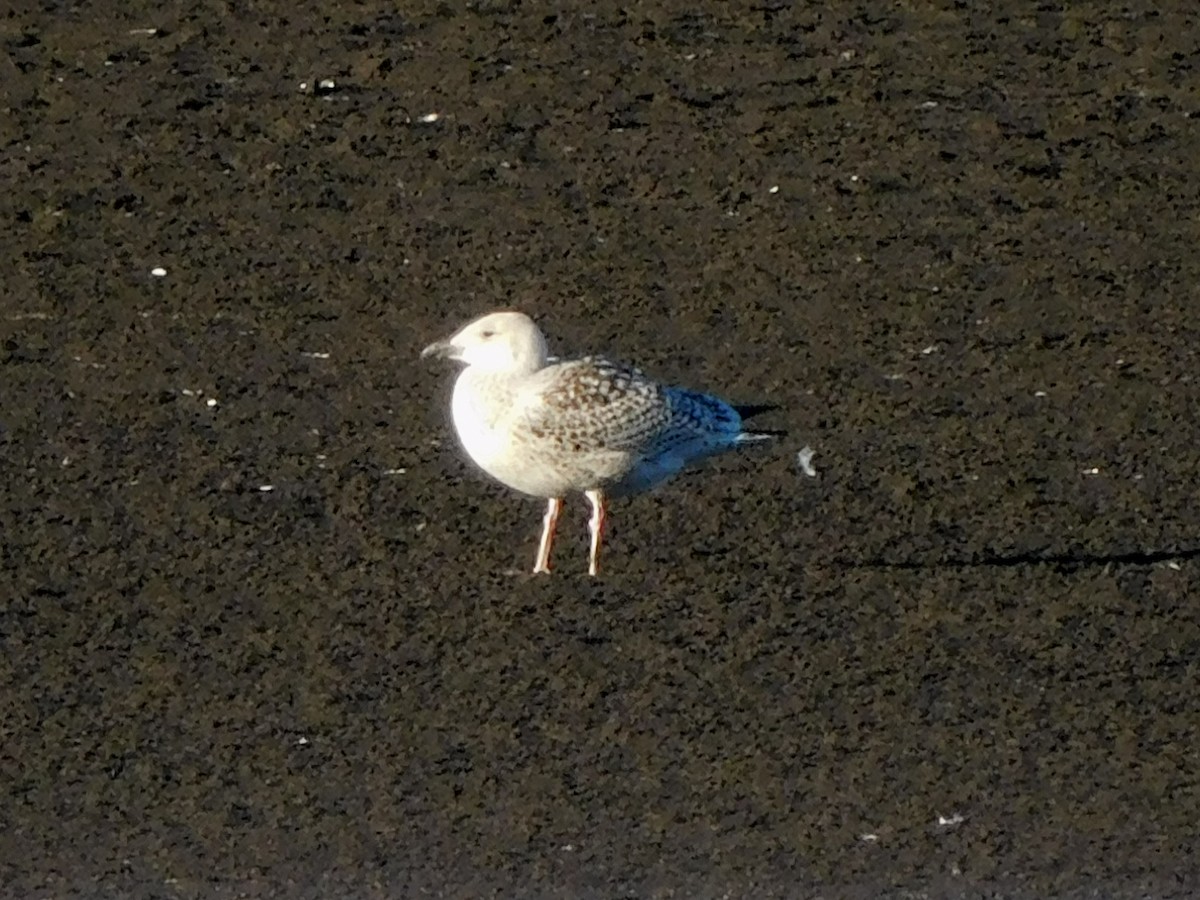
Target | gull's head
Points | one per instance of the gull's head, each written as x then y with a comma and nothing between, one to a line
497,342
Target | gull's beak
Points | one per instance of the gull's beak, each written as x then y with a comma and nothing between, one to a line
442,349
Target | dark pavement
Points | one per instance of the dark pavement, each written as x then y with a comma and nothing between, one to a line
959,251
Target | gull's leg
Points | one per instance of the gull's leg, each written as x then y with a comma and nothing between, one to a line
542,563
596,527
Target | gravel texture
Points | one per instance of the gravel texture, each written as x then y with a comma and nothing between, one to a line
958,250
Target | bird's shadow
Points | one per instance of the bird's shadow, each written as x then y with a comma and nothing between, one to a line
1067,561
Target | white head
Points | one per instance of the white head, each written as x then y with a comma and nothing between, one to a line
497,342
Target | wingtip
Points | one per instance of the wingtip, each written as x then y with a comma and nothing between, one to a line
749,410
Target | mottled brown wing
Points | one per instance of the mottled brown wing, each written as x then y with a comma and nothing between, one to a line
596,404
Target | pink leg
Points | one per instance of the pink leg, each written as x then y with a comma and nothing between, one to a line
549,523
596,527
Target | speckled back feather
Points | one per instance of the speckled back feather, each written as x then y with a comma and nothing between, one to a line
595,403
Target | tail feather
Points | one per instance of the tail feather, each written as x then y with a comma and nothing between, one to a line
764,434
748,437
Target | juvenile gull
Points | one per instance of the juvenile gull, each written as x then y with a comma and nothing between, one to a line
549,428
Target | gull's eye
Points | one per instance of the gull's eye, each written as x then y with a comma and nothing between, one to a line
488,334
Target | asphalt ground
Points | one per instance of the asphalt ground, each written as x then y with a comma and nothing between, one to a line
264,632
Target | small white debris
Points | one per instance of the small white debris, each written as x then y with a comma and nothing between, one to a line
326,84
847,55
929,104
429,118
266,487
804,460
210,402
854,178
66,461
568,848
146,31
1094,470
302,741
394,471
868,837
303,86
1174,565
773,189
932,348
158,272
950,821
188,392
1039,393
314,354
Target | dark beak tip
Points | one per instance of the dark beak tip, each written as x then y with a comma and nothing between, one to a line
438,348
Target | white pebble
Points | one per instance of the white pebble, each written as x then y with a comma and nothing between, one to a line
158,272
804,460
429,118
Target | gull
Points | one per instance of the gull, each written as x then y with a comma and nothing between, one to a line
548,428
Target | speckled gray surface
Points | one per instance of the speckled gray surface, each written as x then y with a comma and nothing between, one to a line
959,251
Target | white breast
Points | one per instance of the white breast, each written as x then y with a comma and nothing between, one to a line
483,411
475,420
